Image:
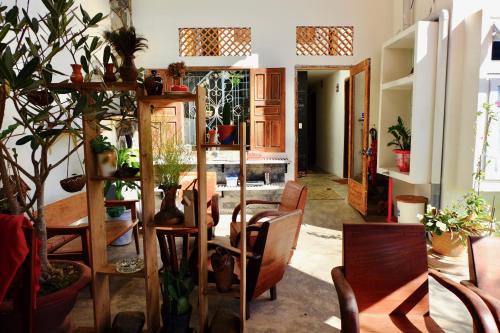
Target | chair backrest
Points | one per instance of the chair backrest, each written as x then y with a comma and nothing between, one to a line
188,177
66,211
386,266
274,244
294,197
484,266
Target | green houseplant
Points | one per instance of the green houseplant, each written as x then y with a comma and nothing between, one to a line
106,158
176,289
171,160
126,43
402,141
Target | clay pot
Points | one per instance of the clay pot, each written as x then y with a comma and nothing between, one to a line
226,133
153,84
52,310
223,266
106,163
109,73
448,246
212,135
169,213
128,71
76,75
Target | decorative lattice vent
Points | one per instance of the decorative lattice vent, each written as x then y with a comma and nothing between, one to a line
324,41
215,42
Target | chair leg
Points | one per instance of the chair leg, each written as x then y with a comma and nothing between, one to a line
135,231
247,312
273,292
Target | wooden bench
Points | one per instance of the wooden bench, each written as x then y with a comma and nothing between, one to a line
67,227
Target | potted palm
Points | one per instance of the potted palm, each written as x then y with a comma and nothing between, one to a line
171,160
126,43
29,45
402,142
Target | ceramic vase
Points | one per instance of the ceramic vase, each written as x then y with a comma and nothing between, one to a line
223,266
153,84
128,71
109,73
76,75
169,213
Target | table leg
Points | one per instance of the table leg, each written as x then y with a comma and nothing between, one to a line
185,246
173,253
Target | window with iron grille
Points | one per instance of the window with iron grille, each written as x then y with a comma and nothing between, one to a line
324,41
215,42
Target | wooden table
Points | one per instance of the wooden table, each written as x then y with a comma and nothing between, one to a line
166,238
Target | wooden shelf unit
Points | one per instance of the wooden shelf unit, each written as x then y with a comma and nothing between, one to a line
201,150
408,75
102,269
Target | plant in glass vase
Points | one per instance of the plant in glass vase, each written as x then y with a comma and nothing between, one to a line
402,142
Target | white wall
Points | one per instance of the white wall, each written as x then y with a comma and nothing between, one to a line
330,114
273,36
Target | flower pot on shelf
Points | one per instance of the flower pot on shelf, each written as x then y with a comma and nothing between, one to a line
402,159
109,73
106,163
447,245
76,75
227,133
169,213
179,87
128,71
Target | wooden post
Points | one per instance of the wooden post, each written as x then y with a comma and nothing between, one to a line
97,228
243,232
202,208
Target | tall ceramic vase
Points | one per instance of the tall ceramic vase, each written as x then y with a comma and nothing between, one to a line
76,75
169,213
128,71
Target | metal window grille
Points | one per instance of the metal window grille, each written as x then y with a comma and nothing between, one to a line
215,42
324,41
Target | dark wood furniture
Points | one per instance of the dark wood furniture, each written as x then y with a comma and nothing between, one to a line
294,197
383,285
67,240
271,252
484,272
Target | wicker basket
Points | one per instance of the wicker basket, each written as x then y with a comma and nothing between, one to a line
447,245
73,184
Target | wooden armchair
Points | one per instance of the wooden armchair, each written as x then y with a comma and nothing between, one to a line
267,262
294,197
383,285
484,272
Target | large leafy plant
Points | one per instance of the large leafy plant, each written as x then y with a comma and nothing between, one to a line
401,134
29,47
177,288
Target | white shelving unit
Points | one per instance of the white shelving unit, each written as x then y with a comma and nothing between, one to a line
407,90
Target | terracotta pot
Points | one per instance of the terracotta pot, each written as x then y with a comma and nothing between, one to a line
153,84
109,73
128,71
40,97
226,133
52,310
212,136
448,246
76,75
169,213
402,159
106,163
223,267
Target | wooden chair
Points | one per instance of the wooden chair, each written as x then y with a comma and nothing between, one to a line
294,197
267,262
383,285
484,272
67,240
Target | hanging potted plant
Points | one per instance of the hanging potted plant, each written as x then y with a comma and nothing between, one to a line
177,70
126,43
106,156
226,131
450,227
402,141
176,309
171,161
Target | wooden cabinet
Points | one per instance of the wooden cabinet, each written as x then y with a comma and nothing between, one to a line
267,109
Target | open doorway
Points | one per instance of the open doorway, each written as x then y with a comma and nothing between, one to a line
323,120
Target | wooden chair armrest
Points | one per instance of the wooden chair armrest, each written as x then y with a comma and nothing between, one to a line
237,209
491,302
264,214
349,312
67,230
213,204
481,315
231,249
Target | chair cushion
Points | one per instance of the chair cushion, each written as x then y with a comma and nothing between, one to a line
54,243
371,323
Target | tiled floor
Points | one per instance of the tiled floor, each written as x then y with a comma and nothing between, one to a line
307,300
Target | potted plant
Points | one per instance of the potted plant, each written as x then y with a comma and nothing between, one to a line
402,141
126,43
171,161
176,289
29,45
226,131
450,227
106,156
177,70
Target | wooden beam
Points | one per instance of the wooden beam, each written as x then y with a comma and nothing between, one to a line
243,232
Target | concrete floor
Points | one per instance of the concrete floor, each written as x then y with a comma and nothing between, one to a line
307,300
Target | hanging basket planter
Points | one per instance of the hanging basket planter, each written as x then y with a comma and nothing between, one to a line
74,183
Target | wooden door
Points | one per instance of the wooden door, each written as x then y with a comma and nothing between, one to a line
267,109
359,119
167,122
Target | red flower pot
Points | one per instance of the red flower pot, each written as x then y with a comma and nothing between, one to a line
179,87
402,159
76,75
227,133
